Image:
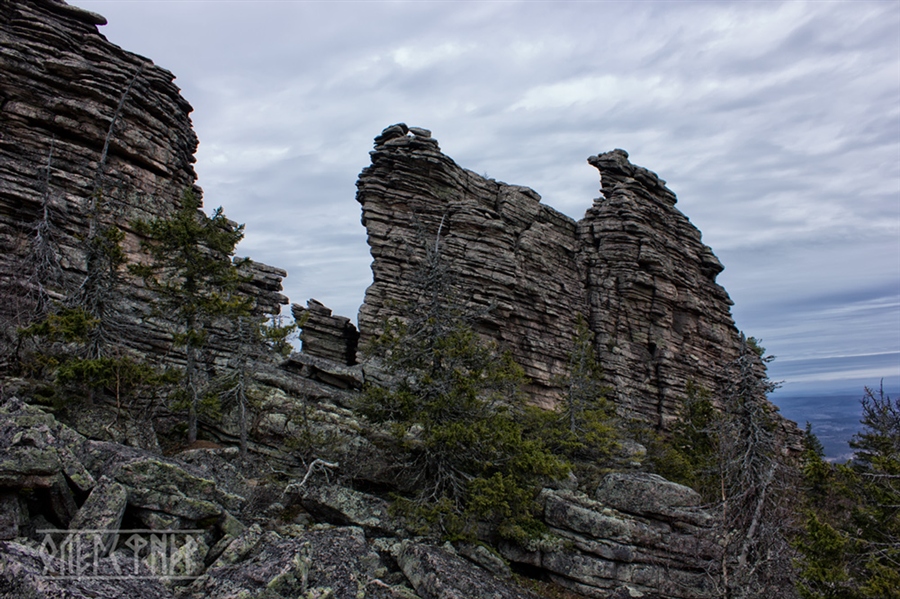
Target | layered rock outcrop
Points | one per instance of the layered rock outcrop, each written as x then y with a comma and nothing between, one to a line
639,532
659,316
89,133
82,518
511,258
634,268
324,335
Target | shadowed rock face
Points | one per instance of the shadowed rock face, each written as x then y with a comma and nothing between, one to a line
84,122
634,268
511,257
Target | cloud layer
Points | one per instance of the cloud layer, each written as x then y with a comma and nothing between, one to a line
778,126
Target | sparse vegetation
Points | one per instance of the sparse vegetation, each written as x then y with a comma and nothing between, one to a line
195,281
455,405
850,543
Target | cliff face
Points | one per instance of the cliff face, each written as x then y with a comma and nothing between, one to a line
88,132
660,318
511,258
63,86
634,268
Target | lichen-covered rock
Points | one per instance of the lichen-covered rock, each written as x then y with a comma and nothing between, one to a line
103,509
38,454
42,456
27,573
30,454
597,550
221,464
345,506
336,561
483,557
13,515
650,495
158,483
436,573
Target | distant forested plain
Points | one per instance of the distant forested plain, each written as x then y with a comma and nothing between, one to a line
834,415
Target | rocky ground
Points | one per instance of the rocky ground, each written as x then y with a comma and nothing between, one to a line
300,522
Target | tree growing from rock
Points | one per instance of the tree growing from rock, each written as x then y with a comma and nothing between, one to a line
455,406
582,428
756,484
251,339
730,449
194,280
69,333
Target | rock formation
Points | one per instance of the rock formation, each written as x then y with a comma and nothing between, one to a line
91,133
660,318
634,267
88,131
639,534
325,336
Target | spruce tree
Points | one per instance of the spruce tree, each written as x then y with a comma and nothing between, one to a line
194,280
582,427
850,545
455,405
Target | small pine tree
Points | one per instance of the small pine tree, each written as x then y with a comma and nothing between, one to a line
582,427
194,280
689,455
455,406
251,339
850,545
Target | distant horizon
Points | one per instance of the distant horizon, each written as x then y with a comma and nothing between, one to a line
834,411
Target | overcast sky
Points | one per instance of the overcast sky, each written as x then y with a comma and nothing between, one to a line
776,124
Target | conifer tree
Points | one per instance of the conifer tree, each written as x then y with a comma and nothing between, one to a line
252,339
755,483
455,405
195,280
730,450
581,429
850,544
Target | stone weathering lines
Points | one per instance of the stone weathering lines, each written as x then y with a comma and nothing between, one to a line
81,119
78,115
634,267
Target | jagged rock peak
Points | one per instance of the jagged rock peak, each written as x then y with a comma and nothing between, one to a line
401,135
513,258
634,267
615,169
85,124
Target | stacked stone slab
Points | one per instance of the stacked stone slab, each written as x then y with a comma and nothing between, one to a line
640,534
634,268
660,318
82,119
513,260
325,336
